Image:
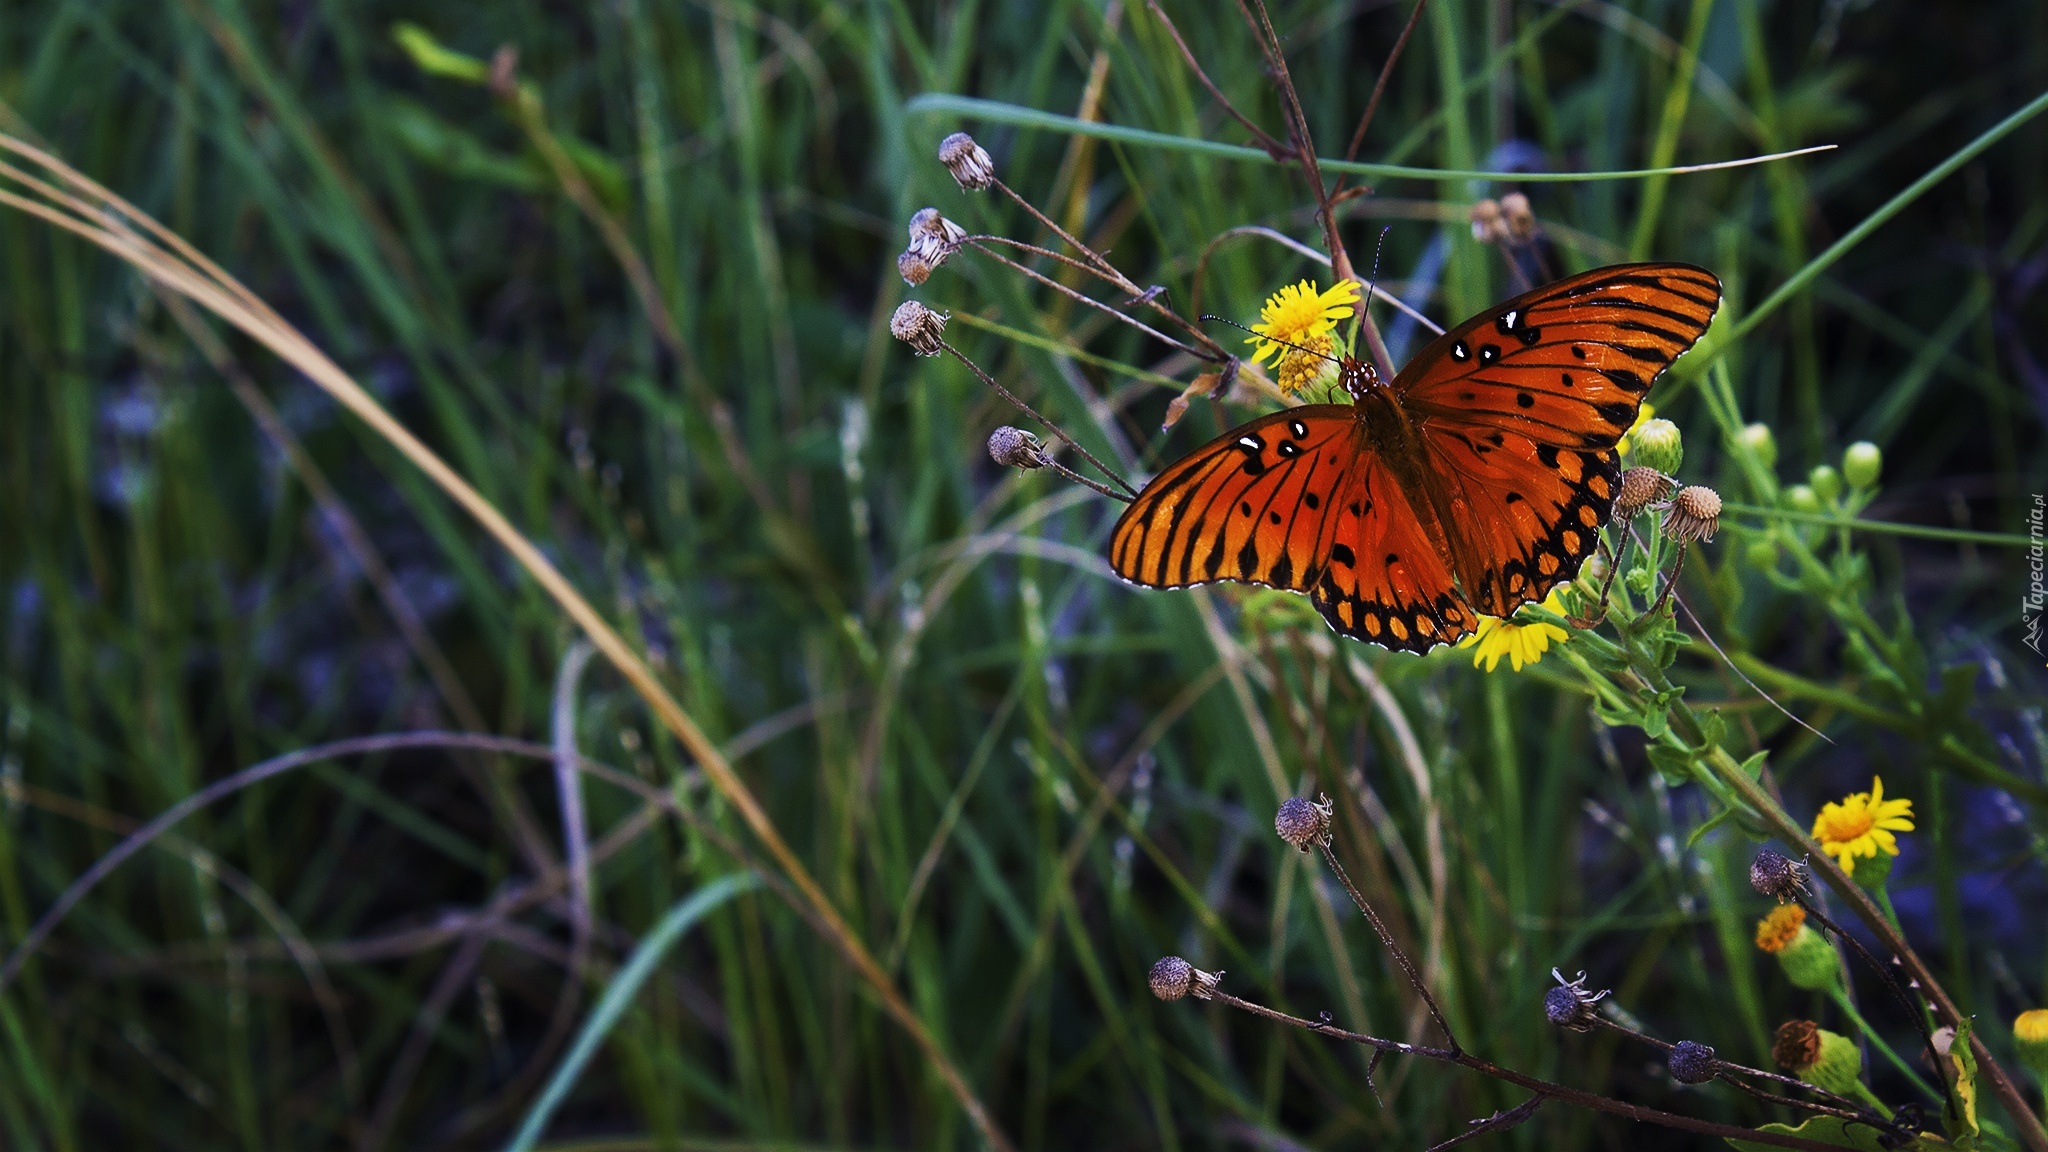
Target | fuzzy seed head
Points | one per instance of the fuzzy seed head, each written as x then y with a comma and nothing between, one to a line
1016,448
1519,217
1640,488
1692,1063
1173,978
1569,1005
1302,822
1695,514
919,327
1488,225
914,268
1796,1047
969,162
1780,877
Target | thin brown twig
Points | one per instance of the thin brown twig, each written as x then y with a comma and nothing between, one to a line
1264,139
1379,929
1379,89
1028,410
1086,299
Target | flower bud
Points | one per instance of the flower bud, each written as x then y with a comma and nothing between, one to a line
1826,483
1801,498
1862,464
1779,877
1776,930
919,327
1640,488
1761,553
1827,1060
1692,1063
1302,822
1569,1005
1016,448
1658,445
969,163
1695,514
1758,439
1640,580
1809,961
1172,978
2030,1037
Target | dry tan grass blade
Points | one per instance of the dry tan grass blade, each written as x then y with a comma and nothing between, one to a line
91,211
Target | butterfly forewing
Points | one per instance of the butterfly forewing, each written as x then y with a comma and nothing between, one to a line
1250,505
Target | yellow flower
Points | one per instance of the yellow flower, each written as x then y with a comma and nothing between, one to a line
1861,824
1644,415
1298,369
1780,928
1520,643
1297,312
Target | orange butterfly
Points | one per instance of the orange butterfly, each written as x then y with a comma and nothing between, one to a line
1473,483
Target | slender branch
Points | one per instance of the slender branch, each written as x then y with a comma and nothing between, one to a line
1393,949
1028,410
1086,299
1498,1122
1274,148
1379,89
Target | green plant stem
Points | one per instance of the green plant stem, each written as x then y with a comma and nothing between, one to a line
1887,527
1842,1001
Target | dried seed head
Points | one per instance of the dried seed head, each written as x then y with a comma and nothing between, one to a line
913,268
1302,822
967,161
1519,217
1695,514
1172,978
1692,1063
1016,448
1796,1047
1488,227
1569,1005
919,327
1780,877
934,237
1640,488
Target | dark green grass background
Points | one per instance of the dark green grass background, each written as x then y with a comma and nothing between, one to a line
915,649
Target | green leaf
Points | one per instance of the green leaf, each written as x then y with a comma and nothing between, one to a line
1673,764
435,60
1700,833
1820,1129
1962,1129
436,142
1713,728
1754,766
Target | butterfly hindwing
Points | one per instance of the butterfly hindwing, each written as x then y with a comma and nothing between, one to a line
1385,580
1249,506
1528,514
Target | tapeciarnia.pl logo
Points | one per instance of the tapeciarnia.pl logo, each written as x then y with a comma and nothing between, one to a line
2036,598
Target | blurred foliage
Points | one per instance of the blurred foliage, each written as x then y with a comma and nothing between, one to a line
1021,780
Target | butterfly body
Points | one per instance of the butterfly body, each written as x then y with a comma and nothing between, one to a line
1471,484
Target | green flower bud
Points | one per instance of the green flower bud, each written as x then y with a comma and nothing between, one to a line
1762,553
1862,463
1809,961
1758,439
1872,871
1640,580
1840,1069
1658,445
1826,482
1802,498
2030,1036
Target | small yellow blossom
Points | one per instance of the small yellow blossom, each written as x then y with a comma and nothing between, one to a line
1308,365
1523,643
1644,415
1297,312
1780,928
1861,824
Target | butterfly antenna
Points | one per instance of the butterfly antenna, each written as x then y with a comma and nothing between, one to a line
1270,339
1374,282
